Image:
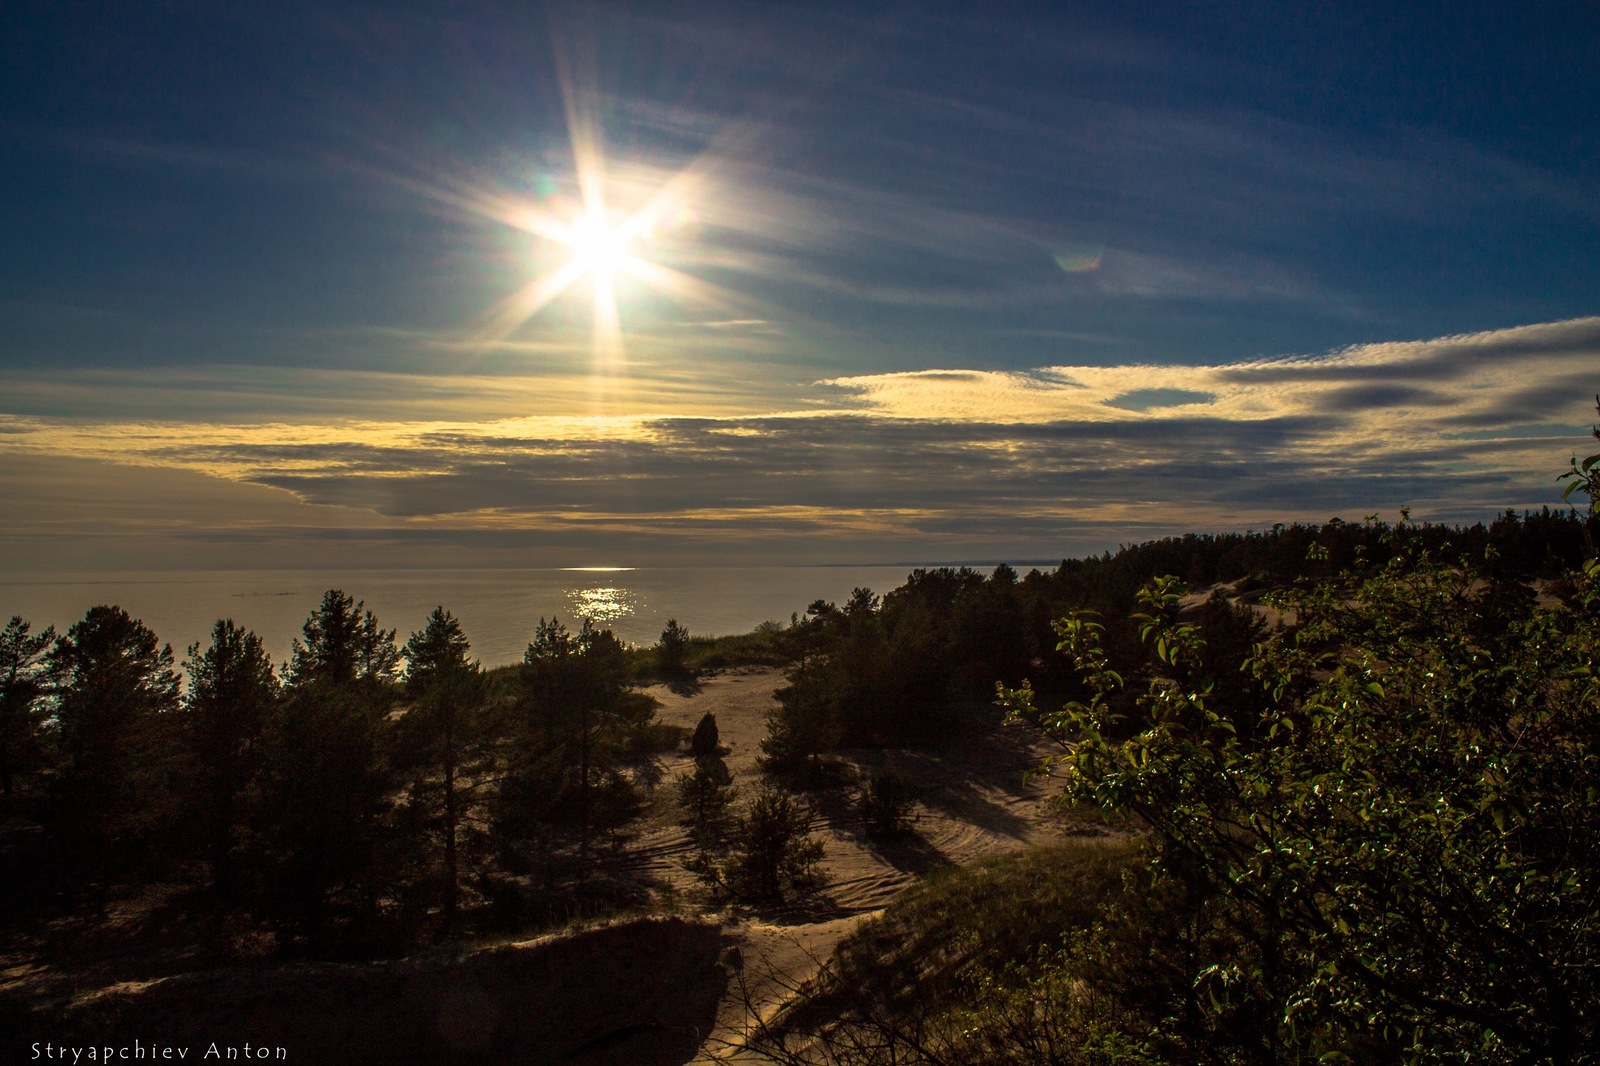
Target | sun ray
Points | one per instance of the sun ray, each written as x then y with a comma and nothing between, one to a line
688,287
510,313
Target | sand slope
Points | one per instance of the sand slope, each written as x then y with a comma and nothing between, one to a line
975,803
975,800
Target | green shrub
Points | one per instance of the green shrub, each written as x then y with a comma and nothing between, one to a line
887,802
774,859
704,797
1399,861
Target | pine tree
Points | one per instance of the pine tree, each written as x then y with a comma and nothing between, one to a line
23,685
704,796
774,855
344,646
672,651
442,727
232,695
577,714
115,688
325,783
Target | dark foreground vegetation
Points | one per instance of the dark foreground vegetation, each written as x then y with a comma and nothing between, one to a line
1382,845
631,993
371,797
1362,778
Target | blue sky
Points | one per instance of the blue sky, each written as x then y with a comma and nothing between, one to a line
930,283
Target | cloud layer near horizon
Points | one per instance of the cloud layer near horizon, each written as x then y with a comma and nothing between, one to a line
935,464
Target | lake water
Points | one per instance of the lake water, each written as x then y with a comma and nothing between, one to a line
498,609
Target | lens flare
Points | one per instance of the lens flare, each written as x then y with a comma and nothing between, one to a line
1080,259
602,245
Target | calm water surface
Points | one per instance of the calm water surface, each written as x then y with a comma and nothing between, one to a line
498,609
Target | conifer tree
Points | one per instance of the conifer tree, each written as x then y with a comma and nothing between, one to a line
232,695
774,856
577,714
326,784
23,686
442,728
115,686
705,742
672,650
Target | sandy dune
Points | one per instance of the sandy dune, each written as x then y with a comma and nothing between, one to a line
975,803
975,800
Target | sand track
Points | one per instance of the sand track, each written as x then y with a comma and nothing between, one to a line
975,803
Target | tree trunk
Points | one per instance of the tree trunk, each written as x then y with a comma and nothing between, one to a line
583,784
451,886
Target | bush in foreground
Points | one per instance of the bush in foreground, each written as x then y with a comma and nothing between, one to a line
887,802
1401,862
774,859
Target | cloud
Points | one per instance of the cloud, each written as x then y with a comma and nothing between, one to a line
564,386
934,462
1494,378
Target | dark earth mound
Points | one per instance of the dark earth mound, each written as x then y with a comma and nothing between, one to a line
642,993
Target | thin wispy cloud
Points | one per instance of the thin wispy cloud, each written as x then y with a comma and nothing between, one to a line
946,458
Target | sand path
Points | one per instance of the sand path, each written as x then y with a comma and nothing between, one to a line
975,803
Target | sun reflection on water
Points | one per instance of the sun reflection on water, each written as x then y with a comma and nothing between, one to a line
603,604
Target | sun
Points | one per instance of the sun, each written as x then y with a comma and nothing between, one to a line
632,228
600,249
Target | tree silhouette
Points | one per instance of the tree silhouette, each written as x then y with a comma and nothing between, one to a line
576,714
705,741
115,686
232,695
447,691
774,856
706,793
887,801
704,796
672,651
344,647
325,784
832,677
23,685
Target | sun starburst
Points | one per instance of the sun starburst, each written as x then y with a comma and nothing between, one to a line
603,246
614,231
